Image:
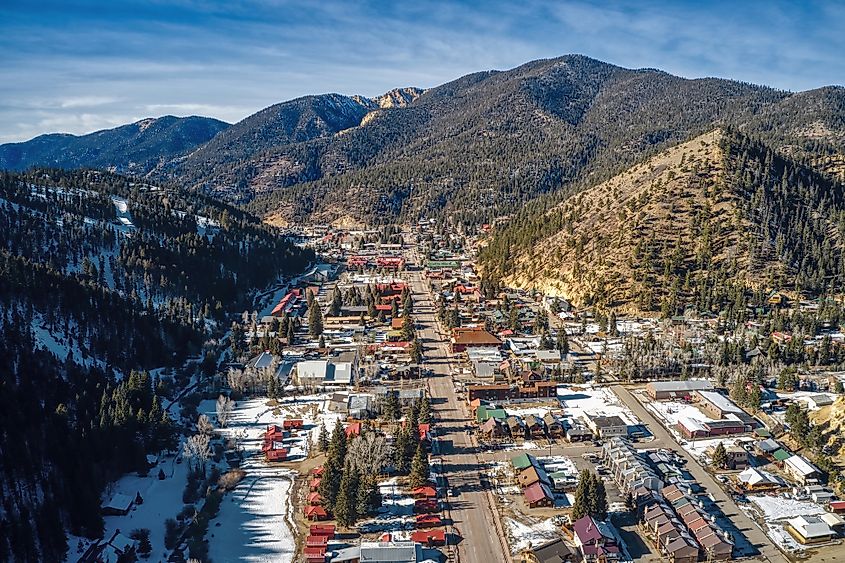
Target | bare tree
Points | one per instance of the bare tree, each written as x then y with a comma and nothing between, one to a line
196,450
369,453
204,425
224,410
237,380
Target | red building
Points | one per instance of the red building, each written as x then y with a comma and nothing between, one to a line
473,338
429,537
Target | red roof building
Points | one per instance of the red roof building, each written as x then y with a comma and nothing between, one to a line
428,521
315,484
316,513
315,554
430,537
425,505
314,499
292,423
317,541
353,429
322,530
424,492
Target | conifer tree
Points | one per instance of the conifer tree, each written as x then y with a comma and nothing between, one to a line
720,456
419,468
346,504
323,439
315,319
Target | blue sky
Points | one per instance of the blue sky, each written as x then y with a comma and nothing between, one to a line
76,67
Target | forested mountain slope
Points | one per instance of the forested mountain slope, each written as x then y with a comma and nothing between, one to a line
135,148
486,143
698,224
101,278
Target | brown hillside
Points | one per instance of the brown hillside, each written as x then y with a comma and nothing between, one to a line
673,205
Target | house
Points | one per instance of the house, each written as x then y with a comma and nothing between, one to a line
118,505
390,552
492,428
538,494
607,426
426,505
577,432
313,513
837,506
314,554
554,551
515,426
809,529
767,447
429,538
426,491
428,521
317,541
817,401
118,548
523,461
473,338
292,423
595,540
801,470
737,457
553,425
531,475
662,390
535,426
314,498
753,479
327,530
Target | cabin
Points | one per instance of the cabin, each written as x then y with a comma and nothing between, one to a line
429,538
327,530
426,505
426,491
428,521
314,513
538,494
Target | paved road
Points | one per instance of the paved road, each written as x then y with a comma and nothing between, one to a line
473,510
662,438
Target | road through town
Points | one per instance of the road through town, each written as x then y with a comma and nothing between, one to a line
472,508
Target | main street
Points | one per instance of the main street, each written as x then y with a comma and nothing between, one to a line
472,509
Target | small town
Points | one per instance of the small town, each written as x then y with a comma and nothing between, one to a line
389,405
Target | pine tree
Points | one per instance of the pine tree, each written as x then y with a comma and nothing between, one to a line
315,319
391,407
419,468
425,410
720,456
369,495
598,498
400,456
581,505
346,504
337,445
323,439
330,484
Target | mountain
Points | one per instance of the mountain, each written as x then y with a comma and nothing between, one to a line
686,227
484,144
103,282
132,148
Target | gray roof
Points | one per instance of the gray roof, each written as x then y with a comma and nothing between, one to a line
680,386
390,552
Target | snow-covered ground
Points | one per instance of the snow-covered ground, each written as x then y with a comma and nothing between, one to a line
780,508
396,514
581,401
162,500
522,534
254,523
775,510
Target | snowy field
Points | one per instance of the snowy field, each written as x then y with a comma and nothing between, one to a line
776,510
396,514
162,500
581,401
521,534
779,508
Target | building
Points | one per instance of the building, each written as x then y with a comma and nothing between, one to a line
595,540
464,339
503,392
716,405
607,426
737,458
801,470
662,390
753,479
538,494
630,471
554,551
390,552
339,371
809,529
